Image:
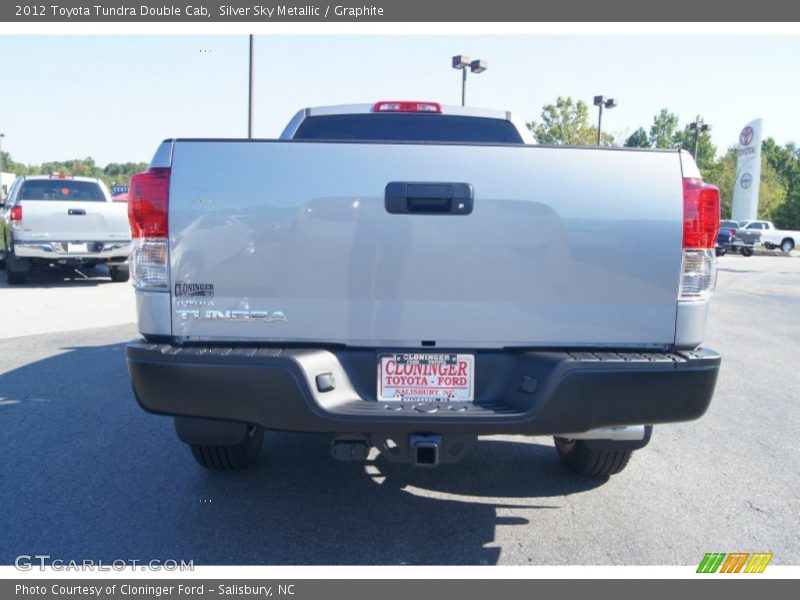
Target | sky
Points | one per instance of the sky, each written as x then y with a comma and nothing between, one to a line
114,98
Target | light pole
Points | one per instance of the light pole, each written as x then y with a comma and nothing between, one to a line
698,127
601,102
250,92
476,66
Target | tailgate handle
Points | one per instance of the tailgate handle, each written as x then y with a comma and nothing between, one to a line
76,211
411,198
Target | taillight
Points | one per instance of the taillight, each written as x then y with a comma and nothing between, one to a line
700,213
148,212
406,106
148,203
700,228
15,214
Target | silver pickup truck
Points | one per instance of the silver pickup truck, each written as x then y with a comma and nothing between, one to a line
409,276
62,220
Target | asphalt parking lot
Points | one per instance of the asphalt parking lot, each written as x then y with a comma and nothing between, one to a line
87,474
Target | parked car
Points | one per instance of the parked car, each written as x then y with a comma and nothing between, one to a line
409,276
749,235
729,240
726,236
771,237
63,220
6,181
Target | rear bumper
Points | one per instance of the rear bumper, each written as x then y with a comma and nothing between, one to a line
540,392
115,251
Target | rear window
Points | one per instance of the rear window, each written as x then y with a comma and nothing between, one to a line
61,189
408,128
729,224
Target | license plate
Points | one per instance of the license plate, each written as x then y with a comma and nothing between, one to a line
426,377
75,248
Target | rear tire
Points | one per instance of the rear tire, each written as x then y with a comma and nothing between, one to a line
787,246
720,251
747,251
14,274
576,456
230,458
119,274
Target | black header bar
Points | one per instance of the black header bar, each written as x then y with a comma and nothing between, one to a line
256,11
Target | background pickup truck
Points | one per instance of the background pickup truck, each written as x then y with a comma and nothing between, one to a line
408,276
770,236
62,220
730,240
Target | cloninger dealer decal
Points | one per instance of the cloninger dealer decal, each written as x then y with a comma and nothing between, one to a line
194,290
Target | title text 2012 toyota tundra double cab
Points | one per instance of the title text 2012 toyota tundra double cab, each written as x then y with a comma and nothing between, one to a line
408,276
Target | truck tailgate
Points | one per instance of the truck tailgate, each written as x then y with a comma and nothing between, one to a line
66,221
292,241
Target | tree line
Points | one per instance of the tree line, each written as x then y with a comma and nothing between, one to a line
566,122
111,174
